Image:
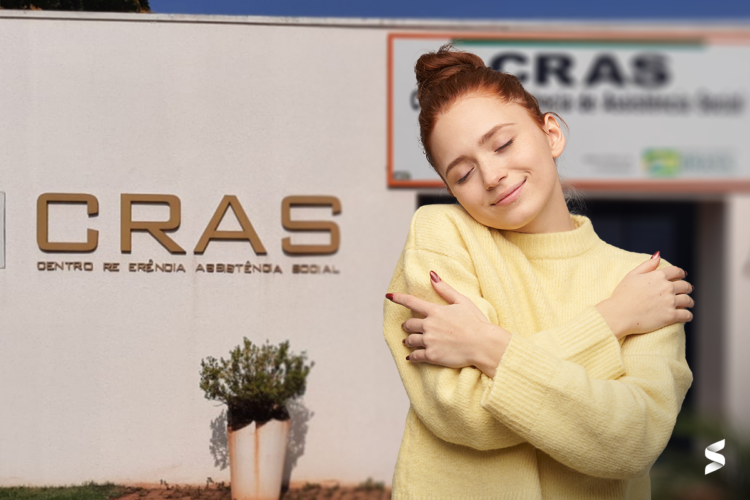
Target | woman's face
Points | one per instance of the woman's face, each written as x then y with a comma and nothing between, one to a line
499,164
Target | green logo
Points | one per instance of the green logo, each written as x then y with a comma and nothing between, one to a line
662,162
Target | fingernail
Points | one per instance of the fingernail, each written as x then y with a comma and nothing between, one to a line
403,341
434,276
655,255
407,357
693,288
686,274
389,296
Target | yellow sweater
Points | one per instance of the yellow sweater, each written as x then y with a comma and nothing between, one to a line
572,413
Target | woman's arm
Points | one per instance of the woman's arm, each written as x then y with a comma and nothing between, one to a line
447,400
603,428
459,334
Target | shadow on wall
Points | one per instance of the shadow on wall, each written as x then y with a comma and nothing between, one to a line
300,415
295,447
219,446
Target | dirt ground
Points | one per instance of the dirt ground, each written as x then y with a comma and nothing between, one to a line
220,491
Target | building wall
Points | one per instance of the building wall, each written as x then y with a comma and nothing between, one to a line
99,371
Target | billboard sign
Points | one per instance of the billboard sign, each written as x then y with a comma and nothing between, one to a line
643,112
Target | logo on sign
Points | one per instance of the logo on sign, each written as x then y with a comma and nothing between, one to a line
674,163
661,162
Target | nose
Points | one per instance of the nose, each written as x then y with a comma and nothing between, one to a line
492,174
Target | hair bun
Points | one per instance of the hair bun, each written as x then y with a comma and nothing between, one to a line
434,67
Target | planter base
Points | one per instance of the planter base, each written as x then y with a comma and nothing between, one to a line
256,459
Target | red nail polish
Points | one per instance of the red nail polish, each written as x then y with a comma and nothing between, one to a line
655,255
434,277
407,357
693,288
403,341
389,296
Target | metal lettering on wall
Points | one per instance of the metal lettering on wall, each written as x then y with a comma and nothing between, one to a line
158,230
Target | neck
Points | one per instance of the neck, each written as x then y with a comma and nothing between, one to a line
553,218
557,245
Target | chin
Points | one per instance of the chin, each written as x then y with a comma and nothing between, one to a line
505,224
513,220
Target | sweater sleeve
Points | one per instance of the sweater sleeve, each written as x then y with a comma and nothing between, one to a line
604,428
448,400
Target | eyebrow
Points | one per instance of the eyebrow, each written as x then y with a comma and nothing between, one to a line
483,139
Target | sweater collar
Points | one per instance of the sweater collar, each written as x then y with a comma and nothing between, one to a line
560,245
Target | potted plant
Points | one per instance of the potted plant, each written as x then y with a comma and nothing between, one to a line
256,383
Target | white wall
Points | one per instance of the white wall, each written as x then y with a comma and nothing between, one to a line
2,230
99,372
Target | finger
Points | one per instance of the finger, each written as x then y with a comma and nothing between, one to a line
673,272
409,301
684,301
445,290
648,265
414,340
413,325
683,316
418,356
682,287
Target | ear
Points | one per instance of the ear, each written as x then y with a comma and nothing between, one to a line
555,135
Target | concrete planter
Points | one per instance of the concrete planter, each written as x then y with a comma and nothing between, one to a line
256,459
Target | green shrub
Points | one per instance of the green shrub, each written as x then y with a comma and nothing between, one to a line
256,382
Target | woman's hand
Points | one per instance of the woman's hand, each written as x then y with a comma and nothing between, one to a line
647,299
453,335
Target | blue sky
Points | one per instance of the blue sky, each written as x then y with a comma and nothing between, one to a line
717,10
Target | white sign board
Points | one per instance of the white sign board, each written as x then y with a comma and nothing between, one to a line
639,110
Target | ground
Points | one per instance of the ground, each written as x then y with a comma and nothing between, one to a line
328,491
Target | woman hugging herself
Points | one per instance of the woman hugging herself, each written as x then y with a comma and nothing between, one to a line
540,361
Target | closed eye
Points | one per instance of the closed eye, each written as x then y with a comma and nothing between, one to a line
462,179
504,145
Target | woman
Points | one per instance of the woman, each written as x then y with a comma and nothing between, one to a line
540,362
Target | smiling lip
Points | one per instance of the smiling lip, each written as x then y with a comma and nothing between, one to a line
510,194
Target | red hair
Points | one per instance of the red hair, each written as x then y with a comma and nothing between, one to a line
446,75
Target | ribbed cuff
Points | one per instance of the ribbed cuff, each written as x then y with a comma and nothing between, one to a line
587,340
518,391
